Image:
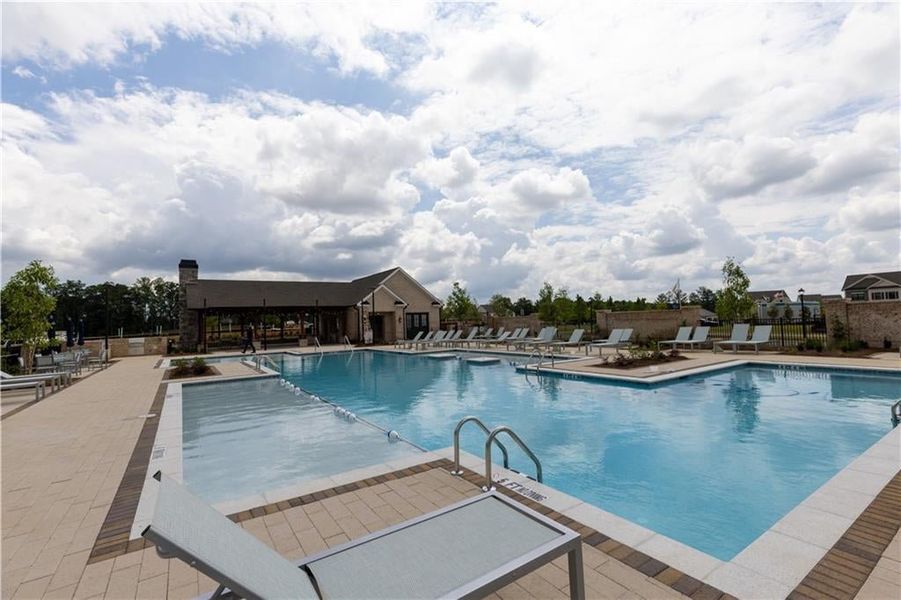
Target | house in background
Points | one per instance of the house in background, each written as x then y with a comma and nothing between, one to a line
377,308
766,300
873,286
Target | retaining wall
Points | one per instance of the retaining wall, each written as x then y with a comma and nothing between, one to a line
871,321
649,324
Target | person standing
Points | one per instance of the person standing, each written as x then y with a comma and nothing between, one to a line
248,341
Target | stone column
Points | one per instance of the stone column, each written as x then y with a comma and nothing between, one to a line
187,318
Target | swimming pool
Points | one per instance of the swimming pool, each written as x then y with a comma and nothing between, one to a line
711,461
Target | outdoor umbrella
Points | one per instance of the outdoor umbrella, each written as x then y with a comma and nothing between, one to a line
70,333
81,332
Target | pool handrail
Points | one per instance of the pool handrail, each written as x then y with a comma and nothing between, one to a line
896,413
473,419
522,445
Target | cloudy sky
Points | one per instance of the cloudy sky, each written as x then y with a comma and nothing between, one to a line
598,146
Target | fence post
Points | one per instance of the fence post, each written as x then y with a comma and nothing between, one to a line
782,330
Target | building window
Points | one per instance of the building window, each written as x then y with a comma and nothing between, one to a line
893,295
858,295
416,322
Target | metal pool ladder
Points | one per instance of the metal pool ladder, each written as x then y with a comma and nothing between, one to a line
541,357
348,345
896,413
318,345
259,359
492,439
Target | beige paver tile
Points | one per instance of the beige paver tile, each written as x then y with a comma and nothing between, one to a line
151,564
362,512
94,579
336,540
311,542
46,562
185,592
32,589
123,583
126,560
325,524
69,570
352,527
63,593
153,588
298,519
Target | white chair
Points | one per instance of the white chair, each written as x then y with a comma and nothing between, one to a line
739,335
682,336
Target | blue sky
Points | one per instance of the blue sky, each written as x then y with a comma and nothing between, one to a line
607,148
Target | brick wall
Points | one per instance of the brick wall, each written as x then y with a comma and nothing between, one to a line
872,321
653,324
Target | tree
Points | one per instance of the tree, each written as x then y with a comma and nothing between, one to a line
772,310
545,304
788,313
564,309
501,305
582,310
705,297
662,301
28,302
733,301
523,307
460,306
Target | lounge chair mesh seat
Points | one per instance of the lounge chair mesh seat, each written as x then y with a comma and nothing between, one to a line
468,549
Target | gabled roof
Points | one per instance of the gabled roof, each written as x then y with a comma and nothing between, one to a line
229,293
768,295
863,281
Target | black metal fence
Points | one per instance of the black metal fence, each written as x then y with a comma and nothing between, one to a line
786,333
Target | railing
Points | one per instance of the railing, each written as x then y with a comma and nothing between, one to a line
787,333
259,359
317,344
471,419
896,413
491,438
348,345
541,356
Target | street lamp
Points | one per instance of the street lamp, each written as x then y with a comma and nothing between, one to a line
803,316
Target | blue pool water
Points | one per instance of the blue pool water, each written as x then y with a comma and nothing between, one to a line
712,461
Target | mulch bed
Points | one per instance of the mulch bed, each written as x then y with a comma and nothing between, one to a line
639,363
209,372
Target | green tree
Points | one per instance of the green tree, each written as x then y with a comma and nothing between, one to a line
545,304
582,310
733,301
772,310
460,306
501,305
704,297
523,307
564,308
661,302
788,313
27,303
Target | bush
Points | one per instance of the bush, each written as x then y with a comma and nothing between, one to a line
853,345
180,367
813,344
886,343
198,366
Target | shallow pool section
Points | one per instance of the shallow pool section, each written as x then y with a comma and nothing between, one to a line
251,436
712,461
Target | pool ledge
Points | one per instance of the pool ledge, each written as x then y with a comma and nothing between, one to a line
772,565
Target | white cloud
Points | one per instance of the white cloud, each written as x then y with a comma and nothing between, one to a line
597,146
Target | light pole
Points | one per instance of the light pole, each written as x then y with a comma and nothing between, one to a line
803,316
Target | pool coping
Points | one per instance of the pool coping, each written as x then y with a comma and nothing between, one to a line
680,374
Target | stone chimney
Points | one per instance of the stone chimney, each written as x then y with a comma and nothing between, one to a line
187,318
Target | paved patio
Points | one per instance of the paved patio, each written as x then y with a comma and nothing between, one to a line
63,459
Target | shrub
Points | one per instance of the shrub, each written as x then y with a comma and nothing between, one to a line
838,329
813,344
198,366
886,343
180,367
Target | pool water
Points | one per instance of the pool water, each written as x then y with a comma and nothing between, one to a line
241,438
712,461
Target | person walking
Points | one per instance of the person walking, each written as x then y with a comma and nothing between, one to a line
248,341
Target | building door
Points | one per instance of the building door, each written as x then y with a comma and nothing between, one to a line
416,322
377,322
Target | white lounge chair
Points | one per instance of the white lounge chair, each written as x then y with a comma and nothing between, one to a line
502,338
428,336
739,335
760,337
99,361
38,386
575,340
699,338
425,342
466,550
617,339
518,336
54,380
544,337
682,336
471,338
452,338
402,343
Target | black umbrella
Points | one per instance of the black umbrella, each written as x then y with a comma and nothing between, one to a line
81,332
70,333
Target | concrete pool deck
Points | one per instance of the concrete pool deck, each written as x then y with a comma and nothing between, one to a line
64,459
